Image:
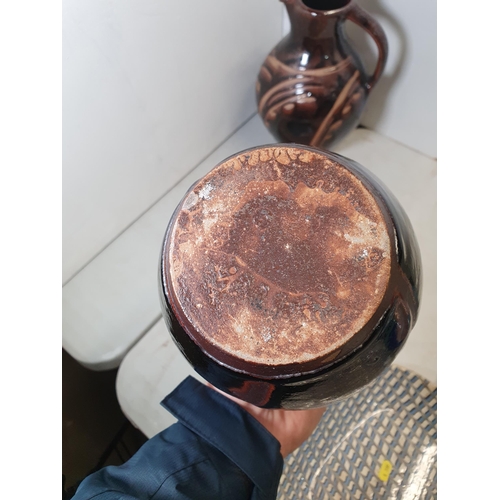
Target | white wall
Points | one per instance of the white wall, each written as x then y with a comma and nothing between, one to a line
150,87
403,105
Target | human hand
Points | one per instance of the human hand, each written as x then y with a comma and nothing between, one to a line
290,427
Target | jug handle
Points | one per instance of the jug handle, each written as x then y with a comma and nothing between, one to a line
360,17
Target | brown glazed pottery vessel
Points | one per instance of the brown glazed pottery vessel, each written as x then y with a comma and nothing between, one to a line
289,276
312,87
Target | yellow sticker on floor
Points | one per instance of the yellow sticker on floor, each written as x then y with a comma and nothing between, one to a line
385,470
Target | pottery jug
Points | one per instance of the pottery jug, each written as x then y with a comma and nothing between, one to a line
312,87
289,276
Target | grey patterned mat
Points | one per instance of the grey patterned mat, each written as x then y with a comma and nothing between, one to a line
380,443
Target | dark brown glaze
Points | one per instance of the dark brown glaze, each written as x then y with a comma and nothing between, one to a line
289,276
312,87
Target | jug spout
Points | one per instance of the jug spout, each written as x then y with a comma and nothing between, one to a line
315,19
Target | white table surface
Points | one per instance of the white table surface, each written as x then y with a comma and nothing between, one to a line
154,366
111,303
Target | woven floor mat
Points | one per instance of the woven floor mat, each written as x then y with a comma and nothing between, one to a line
380,443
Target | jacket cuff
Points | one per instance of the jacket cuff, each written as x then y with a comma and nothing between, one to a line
226,426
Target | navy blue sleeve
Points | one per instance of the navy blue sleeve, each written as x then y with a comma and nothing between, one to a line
216,450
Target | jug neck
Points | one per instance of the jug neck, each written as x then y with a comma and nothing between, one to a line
316,19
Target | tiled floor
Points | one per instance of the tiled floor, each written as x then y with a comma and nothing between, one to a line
95,432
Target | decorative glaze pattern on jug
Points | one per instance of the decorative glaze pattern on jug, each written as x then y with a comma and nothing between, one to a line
312,87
